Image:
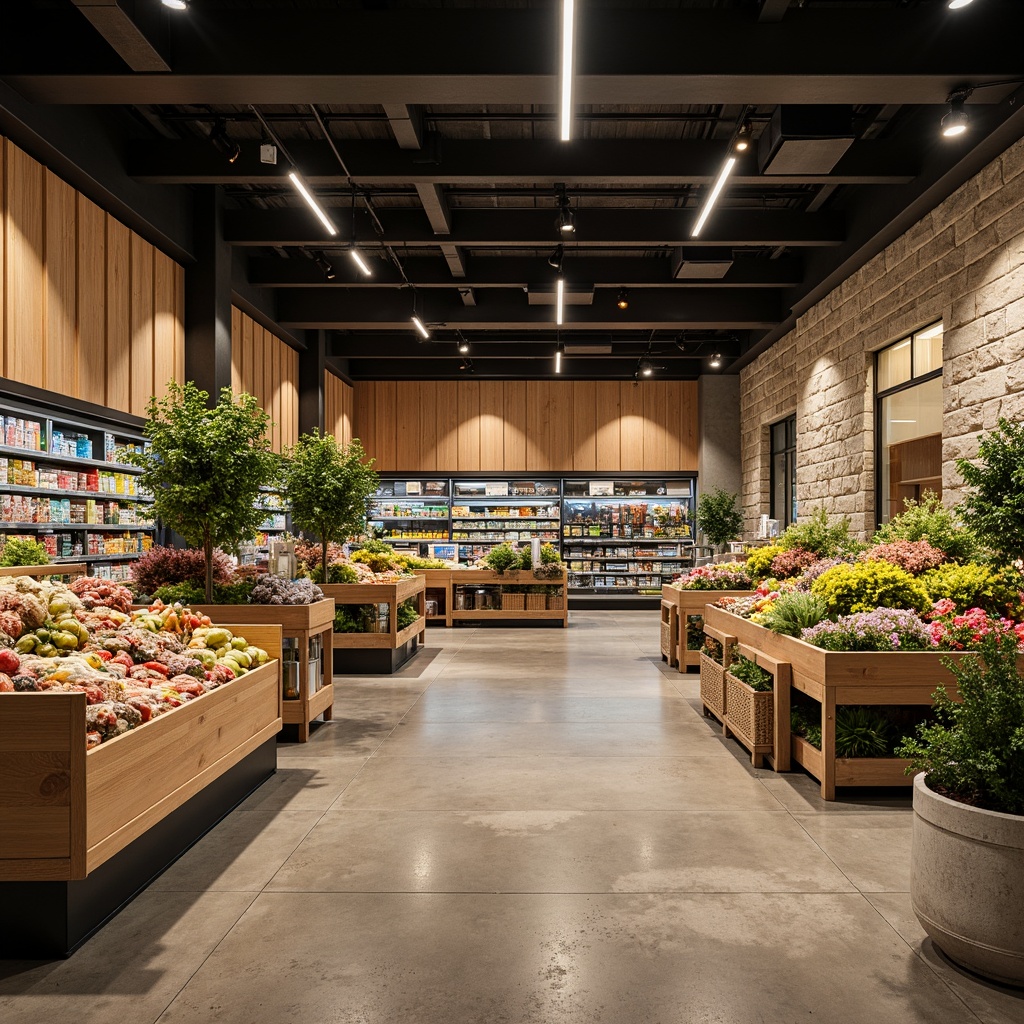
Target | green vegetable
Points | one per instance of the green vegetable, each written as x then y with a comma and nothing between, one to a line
24,552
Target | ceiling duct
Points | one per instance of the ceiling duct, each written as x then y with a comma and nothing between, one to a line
700,264
806,140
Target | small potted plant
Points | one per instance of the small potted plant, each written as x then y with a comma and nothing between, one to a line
718,517
967,858
749,707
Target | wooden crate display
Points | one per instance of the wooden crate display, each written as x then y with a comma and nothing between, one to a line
712,687
439,589
690,603
391,594
542,606
67,810
749,716
670,633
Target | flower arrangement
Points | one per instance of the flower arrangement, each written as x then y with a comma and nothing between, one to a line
865,586
974,585
966,631
913,556
759,561
883,629
928,519
724,576
816,569
792,562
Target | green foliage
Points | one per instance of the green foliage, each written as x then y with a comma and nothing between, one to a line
205,467
328,487
718,517
526,558
24,552
930,520
862,732
337,572
407,613
974,750
751,673
994,507
972,586
190,592
821,536
549,555
804,723
865,586
501,558
794,612
353,618
759,561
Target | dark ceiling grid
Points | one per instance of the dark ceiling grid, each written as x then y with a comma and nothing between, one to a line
451,148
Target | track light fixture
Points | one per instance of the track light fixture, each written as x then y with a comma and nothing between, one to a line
467,365
223,143
559,354
463,345
742,142
955,5
623,300
176,5
716,360
556,257
353,251
325,267
956,120
566,219
646,367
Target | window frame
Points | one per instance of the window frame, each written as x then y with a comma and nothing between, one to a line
788,451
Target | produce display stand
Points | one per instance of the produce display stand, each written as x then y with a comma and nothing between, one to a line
81,832
439,588
378,653
834,679
670,628
516,608
300,622
687,603
35,571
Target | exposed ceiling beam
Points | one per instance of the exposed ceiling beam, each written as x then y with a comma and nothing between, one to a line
504,162
116,21
632,56
536,367
520,272
436,208
534,229
667,310
406,124
772,10
487,346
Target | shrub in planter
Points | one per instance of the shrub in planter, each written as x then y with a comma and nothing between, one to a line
792,613
408,613
820,535
787,564
806,723
972,586
752,674
864,586
965,631
862,732
549,555
24,552
913,556
883,629
930,520
501,558
759,561
718,517
166,567
337,572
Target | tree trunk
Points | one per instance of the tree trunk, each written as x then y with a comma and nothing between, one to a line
323,545
208,552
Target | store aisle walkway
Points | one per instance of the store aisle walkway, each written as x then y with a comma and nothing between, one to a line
523,826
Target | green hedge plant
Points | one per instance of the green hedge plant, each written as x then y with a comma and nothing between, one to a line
865,586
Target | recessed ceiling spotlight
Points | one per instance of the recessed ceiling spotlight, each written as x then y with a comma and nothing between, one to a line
176,5
223,143
953,5
956,121
463,346
623,300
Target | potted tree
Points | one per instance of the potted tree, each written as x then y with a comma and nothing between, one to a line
967,858
718,518
205,466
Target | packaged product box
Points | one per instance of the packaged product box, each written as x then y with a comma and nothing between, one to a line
3,471
83,446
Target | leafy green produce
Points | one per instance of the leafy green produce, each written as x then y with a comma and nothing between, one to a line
24,552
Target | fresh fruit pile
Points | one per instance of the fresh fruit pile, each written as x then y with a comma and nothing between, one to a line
132,668
95,592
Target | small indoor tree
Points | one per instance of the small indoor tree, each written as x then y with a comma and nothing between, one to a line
718,518
328,488
994,507
205,467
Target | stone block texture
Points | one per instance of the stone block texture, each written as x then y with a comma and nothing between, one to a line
963,264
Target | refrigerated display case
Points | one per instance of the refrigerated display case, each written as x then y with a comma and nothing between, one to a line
490,512
406,509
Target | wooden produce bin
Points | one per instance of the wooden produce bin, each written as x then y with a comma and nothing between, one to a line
82,831
299,622
535,607
835,678
687,603
439,588
36,571
378,653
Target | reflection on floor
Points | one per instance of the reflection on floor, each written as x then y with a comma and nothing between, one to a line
524,826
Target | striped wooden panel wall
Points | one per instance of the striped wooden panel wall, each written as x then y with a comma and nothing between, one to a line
90,309
517,426
337,408
267,368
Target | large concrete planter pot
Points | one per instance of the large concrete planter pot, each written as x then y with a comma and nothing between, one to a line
967,883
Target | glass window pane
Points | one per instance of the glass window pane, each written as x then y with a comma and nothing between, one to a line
893,365
778,437
928,350
779,487
911,431
791,432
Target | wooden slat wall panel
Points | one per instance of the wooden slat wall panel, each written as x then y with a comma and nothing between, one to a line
686,418
468,429
609,449
385,427
538,455
447,444
142,324
290,385
74,319
408,436
364,419
236,349
24,271
492,425
656,425
60,358
631,425
427,415
164,328
118,315
584,425
515,426
92,309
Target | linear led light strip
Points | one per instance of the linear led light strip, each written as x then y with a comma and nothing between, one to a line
568,32
312,203
419,326
723,177
354,253
560,301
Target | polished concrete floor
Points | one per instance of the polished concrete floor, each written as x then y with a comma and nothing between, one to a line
524,826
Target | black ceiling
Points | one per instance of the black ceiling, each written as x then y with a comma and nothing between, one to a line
438,122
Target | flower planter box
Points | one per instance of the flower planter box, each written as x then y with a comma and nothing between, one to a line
439,589
687,603
835,678
712,687
54,569
556,602
670,633
535,609
750,717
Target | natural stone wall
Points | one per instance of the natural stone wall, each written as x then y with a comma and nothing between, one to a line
963,264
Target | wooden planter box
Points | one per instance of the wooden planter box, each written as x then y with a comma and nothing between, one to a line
749,716
712,687
834,678
300,622
439,588
687,603
535,607
66,810
670,633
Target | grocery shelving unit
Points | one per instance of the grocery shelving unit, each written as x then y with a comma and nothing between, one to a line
54,488
486,513
414,510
